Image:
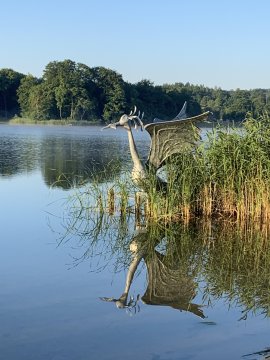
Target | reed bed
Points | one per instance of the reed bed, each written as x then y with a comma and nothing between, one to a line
226,176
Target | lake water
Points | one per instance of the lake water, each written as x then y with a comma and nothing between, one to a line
198,292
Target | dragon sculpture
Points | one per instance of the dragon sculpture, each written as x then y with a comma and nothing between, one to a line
167,138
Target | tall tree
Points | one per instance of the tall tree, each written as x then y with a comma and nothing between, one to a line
238,105
23,93
73,88
110,92
9,83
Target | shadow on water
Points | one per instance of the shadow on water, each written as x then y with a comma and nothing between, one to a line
264,354
189,267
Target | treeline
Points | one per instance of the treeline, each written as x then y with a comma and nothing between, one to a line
70,90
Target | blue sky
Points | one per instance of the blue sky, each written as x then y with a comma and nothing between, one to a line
213,43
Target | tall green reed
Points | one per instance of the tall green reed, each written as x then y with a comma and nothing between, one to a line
238,169
228,175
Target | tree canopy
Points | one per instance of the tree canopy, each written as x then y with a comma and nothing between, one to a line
9,83
70,90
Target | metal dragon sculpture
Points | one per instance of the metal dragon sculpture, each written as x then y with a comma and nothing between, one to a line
167,138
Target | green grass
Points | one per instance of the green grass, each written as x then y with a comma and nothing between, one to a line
22,120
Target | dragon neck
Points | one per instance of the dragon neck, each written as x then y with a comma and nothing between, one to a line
138,171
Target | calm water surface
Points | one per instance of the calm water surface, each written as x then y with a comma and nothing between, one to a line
204,293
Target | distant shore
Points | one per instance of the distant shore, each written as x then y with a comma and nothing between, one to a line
98,122
27,121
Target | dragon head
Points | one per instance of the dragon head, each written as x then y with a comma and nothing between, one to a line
128,120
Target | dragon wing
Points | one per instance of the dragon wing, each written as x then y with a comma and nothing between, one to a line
181,116
172,137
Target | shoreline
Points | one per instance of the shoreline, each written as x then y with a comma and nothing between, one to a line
26,121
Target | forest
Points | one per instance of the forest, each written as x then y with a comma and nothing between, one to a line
75,91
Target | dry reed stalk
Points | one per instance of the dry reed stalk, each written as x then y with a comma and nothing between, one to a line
111,201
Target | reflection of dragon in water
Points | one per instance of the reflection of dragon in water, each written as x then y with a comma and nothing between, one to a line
169,282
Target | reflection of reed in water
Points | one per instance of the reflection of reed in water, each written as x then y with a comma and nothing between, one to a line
225,260
237,267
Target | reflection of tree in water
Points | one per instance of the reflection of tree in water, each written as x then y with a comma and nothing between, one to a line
17,156
220,260
64,161
67,162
